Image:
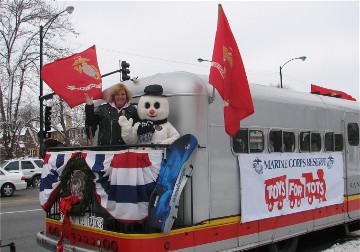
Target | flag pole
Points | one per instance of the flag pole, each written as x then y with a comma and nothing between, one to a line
212,99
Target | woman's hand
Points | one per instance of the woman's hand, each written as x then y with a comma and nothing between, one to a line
88,100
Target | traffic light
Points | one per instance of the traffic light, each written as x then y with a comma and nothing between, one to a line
125,71
47,118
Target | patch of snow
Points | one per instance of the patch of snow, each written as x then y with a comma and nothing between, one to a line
349,246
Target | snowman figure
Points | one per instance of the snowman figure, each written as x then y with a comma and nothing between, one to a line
153,127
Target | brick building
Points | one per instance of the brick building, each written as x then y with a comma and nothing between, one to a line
28,144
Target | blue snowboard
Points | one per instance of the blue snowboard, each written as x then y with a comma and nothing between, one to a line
174,172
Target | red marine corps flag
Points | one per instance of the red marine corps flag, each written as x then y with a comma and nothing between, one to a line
330,92
73,76
227,75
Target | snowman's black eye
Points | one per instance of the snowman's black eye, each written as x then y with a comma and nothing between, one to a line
147,105
157,105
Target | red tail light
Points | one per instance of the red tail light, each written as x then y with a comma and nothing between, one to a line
23,178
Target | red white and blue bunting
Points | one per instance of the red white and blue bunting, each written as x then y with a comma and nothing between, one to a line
123,180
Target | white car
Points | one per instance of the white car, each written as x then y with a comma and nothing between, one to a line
9,182
30,167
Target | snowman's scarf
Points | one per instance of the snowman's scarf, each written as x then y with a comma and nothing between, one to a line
146,130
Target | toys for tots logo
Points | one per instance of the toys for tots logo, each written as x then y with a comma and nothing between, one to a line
308,186
294,190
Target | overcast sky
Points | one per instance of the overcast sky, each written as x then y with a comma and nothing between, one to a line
163,36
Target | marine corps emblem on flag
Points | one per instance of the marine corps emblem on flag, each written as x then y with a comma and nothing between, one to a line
73,76
81,65
227,57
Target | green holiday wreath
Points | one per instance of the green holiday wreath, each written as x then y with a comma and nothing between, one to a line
78,164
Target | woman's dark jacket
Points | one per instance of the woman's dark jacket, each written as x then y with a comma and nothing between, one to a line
107,118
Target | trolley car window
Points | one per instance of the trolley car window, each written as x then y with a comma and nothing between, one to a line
353,134
240,141
289,141
338,142
281,141
275,141
245,138
304,141
329,141
315,142
256,141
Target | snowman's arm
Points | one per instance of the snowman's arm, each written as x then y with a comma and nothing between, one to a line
172,133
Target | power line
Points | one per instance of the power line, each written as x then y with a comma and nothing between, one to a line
250,72
144,56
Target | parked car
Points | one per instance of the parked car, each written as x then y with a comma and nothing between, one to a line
30,167
9,182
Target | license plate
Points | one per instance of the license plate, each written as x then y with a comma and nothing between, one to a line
95,222
88,221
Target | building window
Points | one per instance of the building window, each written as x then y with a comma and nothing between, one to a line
31,152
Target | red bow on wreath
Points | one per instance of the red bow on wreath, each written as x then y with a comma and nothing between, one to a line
65,207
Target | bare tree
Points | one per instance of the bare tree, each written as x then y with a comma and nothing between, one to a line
20,21
66,120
